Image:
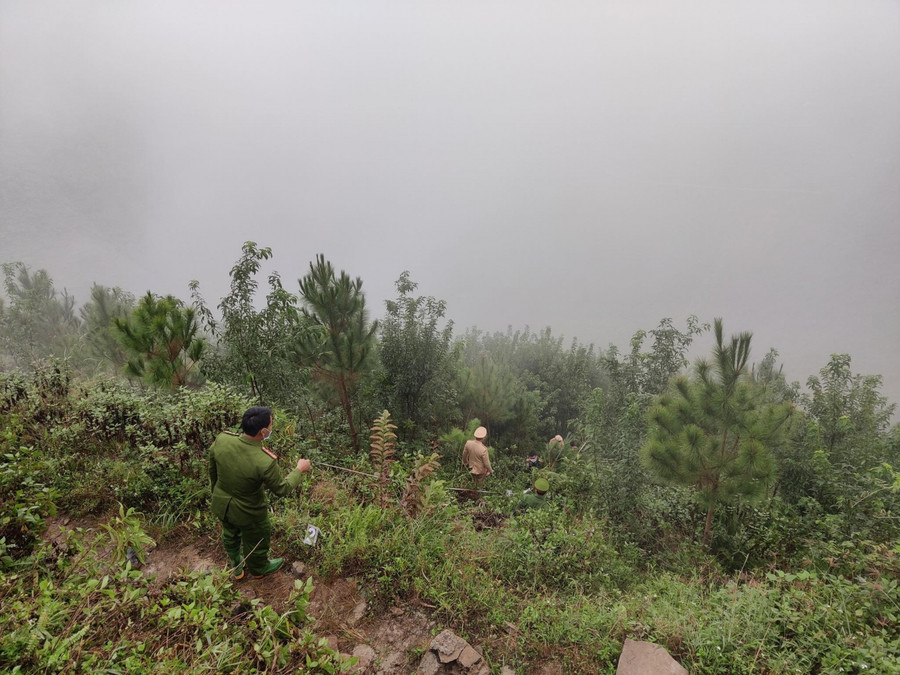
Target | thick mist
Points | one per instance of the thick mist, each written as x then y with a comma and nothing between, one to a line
591,166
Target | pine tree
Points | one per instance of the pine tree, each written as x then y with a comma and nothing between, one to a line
162,339
38,322
341,341
97,315
714,432
489,391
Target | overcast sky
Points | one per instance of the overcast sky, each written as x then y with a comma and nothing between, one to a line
590,166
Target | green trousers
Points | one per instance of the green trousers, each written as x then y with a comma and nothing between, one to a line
248,543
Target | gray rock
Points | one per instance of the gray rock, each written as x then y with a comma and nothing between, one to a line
298,568
357,614
449,654
448,646
429,665
365,658
506,670
647,658
131,556
469,657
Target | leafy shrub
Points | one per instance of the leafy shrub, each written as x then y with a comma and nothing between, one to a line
549,550
25,500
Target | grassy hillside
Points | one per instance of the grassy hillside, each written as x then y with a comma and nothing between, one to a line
565,585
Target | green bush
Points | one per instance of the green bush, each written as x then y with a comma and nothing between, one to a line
550,550
25,499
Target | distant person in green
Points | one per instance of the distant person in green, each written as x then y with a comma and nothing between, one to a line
239,467
538,498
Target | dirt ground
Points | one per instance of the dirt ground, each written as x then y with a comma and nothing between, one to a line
337,606
387,643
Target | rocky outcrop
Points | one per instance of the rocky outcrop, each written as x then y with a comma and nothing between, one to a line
449,654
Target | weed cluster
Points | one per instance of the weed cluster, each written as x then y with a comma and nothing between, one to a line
83,606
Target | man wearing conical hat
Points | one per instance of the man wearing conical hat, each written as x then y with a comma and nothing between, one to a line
476,458
555,451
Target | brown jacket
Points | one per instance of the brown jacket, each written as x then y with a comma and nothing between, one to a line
475,456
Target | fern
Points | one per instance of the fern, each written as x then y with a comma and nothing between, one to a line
412,500
382,453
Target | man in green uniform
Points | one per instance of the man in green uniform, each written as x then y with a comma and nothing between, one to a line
239,467
538,498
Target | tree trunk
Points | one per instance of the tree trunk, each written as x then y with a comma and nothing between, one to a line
312,421
707,531
345,401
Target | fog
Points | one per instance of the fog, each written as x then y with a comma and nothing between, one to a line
590,166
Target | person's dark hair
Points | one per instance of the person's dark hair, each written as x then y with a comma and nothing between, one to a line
255,419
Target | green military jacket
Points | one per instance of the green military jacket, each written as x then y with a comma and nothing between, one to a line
238,470
532,500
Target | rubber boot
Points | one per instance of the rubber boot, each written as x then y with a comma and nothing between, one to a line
231,539
236,562
274,565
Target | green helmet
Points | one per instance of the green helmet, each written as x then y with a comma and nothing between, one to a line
541,485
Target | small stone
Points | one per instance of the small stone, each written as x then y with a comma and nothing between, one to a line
332,642
131,557
365,656
506,670
357,614
429,665
469,657
647,658
298,568
448,646
396,611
